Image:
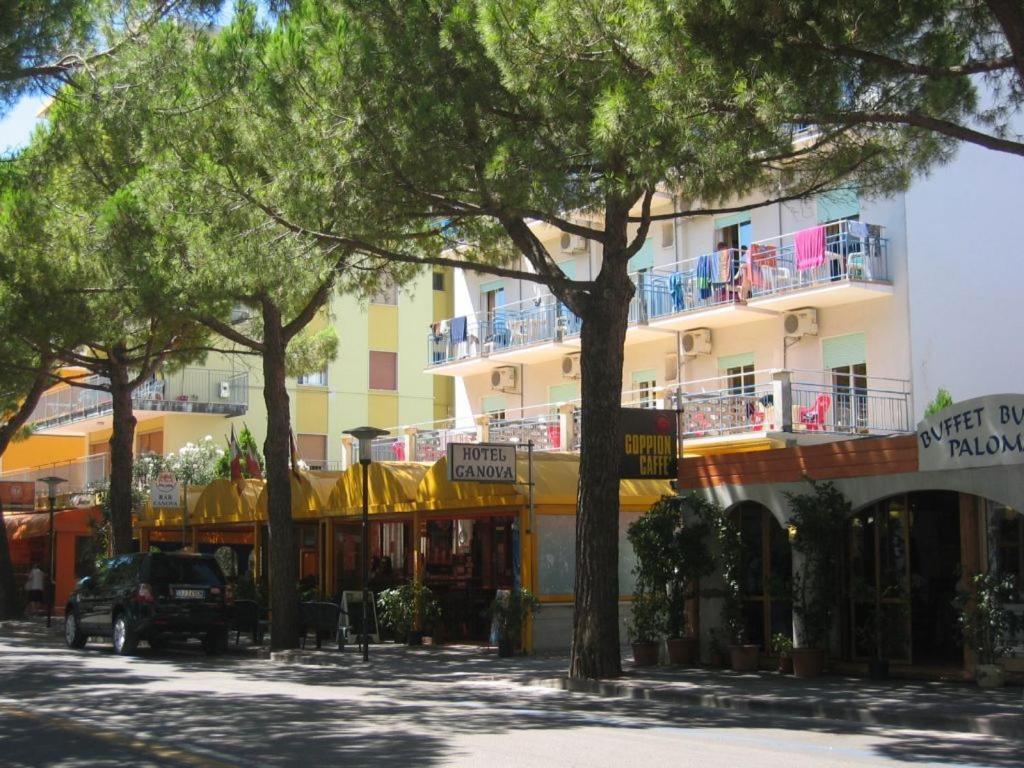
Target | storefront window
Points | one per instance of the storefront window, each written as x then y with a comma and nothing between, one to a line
1006,543
766,576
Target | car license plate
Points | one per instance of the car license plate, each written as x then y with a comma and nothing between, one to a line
190,594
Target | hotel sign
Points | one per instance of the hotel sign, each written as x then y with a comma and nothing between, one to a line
649,444
986,431
482,462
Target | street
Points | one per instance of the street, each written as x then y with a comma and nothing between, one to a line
180,708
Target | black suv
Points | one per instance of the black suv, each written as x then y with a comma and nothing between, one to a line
155,597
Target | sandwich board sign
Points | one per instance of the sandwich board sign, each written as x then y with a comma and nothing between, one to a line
165,491
482,462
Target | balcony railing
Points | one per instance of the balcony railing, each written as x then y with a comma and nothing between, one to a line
86,474
191,390
852,253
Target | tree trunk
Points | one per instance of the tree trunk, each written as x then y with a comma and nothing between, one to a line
1010,16
595,642
8,588
122,457
284,564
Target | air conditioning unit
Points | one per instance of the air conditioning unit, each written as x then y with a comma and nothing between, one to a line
671,367
697,342
571,367
225,390
800,323
505,379
573,243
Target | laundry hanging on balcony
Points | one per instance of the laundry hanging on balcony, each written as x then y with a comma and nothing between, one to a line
707,273
675,290
458,328
810,247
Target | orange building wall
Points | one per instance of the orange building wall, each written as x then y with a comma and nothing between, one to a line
43,449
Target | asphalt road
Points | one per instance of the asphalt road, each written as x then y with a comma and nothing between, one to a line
179,708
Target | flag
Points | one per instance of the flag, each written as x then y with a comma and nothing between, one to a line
294,452
252,464
235,455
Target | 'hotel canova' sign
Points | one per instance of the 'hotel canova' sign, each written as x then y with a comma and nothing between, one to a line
482,462
985,431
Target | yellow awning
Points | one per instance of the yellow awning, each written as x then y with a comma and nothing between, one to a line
223,502
311,493
392,488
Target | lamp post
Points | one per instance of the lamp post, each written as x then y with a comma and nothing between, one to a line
365,436
51,490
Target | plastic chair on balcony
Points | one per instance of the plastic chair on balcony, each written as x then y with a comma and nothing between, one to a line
813,417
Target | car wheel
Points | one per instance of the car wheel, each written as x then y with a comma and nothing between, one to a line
125,639
73,634
215,642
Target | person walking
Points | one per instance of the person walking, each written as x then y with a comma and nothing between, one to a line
34,585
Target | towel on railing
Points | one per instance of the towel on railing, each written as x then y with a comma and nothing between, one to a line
675,290
810,247
707,273
857,229
725,270
458,329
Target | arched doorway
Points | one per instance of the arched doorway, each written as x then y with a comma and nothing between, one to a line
905,560
767,575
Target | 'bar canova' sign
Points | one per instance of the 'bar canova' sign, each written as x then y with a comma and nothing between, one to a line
482,462
982,432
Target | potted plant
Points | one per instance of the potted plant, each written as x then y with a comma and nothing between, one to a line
646,626
743,657
873,634
817,526
408,609
782,646
509,610
987,626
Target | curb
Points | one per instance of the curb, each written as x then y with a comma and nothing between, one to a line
1004,725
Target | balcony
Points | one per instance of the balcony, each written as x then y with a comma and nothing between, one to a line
83,475
714,290
768,406
74,410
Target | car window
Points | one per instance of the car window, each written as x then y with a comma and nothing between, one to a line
185,570
122,571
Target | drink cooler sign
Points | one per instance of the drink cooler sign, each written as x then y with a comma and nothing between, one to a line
164,492
985,431
18,494
650,449
482,462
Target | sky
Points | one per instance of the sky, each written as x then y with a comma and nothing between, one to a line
16,126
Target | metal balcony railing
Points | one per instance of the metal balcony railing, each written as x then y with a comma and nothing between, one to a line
852,253
190,390
86,474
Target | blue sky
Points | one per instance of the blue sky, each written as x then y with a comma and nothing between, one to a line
16,126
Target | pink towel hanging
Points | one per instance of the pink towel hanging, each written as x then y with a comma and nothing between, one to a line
810,247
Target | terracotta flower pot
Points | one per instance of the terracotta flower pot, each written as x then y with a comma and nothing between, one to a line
808,662
682,651
786,665
645,654
743,658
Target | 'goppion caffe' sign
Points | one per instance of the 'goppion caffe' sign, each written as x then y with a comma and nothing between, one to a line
985,431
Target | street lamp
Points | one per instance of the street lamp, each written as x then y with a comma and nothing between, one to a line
51,489
365,436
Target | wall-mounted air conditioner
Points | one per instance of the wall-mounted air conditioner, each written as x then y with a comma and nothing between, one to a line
505,379
800,323
225,390
671,367
573,243
571,366
697,342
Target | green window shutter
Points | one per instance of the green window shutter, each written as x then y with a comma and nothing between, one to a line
736,218
493,403
735,361
841,351
648,375
494,285
644,258
841,204
563,393
568,268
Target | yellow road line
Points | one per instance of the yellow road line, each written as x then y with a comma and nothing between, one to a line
116,738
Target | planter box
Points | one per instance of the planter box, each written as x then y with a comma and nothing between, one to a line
743,658
645,654
808,662
682,651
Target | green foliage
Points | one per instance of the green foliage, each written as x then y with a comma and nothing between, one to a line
942,401
193,463
400,606
648,615
731,559
781,645
246,443
227,559
818,520
987,625
508,612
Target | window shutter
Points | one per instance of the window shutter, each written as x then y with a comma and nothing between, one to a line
840,351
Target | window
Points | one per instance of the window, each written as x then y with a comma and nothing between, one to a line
312,450
387,293
740,379
850,383
765,575
315,379
151,442
383,370
668,234
645,388
438,278
1006,543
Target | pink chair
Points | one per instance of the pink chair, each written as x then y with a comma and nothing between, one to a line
554,436
813,417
